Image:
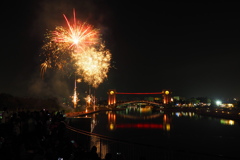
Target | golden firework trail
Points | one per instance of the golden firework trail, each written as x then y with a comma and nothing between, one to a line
75,99
88,100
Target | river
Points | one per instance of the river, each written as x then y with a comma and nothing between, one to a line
174,130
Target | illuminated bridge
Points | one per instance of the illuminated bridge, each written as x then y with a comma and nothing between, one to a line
112,98
139,101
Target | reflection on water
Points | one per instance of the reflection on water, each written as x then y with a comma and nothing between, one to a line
227,122
137,114
186,130
188,114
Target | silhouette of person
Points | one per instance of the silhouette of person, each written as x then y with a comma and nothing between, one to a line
108,156
93,154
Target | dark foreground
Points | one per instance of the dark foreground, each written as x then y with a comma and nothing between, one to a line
38,135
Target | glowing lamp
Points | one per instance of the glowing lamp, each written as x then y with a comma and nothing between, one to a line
111,92
218,102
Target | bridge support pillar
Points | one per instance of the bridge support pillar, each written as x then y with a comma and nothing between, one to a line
112,97
166,97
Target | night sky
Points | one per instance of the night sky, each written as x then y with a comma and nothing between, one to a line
191,48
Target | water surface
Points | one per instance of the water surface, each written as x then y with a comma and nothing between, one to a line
174,130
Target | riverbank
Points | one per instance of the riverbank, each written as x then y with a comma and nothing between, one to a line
226,113
221,113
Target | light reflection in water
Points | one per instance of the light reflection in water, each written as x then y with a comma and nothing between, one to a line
111,120
227,122
130,115
186,114
166,125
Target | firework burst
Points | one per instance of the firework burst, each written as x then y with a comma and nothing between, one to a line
61,43
78,35
93,64
77,49
57,56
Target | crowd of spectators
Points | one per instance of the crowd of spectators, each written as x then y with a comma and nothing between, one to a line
38,135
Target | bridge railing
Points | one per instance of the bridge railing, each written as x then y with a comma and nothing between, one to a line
126,150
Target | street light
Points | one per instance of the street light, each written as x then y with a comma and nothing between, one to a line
218,102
